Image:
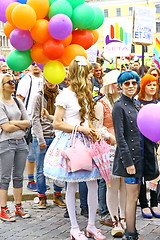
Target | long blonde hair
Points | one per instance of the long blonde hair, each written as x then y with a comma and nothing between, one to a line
81,85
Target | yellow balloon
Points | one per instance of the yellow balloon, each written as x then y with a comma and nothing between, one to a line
54,72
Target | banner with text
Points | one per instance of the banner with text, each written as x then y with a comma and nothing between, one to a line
117,37
144,25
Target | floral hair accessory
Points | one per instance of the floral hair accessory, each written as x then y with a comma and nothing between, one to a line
81,60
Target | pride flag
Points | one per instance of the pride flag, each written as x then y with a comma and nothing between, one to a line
156,52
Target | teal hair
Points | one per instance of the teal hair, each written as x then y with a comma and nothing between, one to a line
127,75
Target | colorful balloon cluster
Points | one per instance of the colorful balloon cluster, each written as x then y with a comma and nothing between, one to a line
49,32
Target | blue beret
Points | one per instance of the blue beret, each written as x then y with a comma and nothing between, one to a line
127,75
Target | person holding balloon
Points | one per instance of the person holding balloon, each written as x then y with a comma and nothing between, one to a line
128,160
149,94
71,110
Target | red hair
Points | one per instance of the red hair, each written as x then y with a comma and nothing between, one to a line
144,81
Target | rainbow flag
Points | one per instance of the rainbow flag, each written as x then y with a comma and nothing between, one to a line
156,52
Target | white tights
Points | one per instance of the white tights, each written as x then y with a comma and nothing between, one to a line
116,197
92,203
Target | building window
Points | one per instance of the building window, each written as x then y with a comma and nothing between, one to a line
4,42
118,12
133,48
0,41
105,12
7,42
157,27
145,49
130,11
157,8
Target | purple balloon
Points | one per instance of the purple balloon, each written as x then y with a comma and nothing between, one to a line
41,66
21,39
3,5
60,26
148,120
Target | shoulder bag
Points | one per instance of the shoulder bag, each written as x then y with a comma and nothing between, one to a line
77,156
28,134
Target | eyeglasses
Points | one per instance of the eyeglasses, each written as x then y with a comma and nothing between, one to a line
154,74
11,82
127,84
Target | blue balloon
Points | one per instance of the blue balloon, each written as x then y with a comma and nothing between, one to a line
22,1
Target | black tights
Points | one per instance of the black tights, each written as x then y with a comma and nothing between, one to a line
131,205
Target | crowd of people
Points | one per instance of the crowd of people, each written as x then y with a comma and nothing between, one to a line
101,104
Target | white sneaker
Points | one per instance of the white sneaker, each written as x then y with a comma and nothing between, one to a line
117,230
123,223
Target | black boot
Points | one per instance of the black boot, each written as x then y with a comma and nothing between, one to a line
66,215
130,236
84,212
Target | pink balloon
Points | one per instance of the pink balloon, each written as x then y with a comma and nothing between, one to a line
21,39
60,26
148,121
3,5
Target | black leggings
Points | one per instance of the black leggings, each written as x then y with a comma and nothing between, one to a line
143,197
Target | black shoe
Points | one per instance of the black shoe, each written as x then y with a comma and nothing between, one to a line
66,215
84,212
130,236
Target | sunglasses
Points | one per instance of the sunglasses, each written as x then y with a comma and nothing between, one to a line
154,74
127,84
34,64
11,82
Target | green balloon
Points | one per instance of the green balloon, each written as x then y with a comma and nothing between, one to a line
60,7
99,19
51,1
83,16
75,3
19,60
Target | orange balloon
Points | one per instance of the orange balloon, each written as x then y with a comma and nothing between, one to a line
40,32
61,60
9,10
67,40
71,51
95,35
8,28
23,16
41,7
37,54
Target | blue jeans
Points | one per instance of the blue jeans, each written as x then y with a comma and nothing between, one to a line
39,156
102,206
83,192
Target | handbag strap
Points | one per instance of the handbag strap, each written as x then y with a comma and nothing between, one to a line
26,105
73,136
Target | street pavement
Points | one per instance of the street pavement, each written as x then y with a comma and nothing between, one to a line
49,223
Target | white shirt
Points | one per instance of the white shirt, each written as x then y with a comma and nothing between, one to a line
69,101
23,90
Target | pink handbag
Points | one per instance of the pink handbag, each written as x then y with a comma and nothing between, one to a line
77,156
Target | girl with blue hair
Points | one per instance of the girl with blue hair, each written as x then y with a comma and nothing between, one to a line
128,156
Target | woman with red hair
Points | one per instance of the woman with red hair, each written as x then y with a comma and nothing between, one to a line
149,94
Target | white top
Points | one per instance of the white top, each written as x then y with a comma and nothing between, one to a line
69,101
10,112
23,90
